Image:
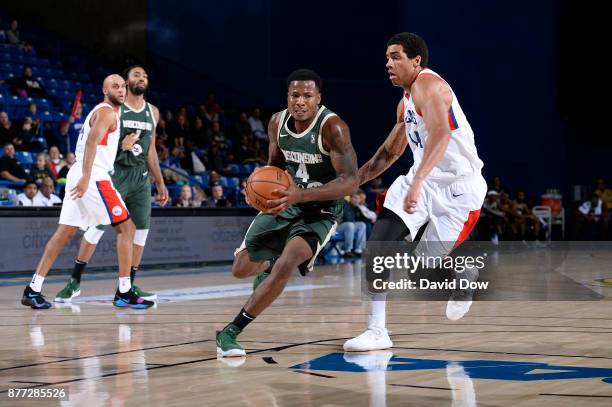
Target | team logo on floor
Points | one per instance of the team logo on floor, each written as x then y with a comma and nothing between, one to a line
475,369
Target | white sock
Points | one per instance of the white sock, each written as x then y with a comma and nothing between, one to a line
377,316
124,284
36,283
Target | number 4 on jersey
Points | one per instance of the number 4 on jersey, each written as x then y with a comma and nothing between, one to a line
302,172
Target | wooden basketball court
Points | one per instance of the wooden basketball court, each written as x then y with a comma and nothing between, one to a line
500,354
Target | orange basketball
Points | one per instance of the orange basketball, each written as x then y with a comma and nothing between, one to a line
262,182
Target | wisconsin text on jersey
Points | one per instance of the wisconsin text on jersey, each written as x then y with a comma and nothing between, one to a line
302,158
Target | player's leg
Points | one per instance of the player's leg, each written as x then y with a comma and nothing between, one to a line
388,227
297,251
139,205
87,248
32,294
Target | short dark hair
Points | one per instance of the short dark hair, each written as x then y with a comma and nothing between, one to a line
127,70
413,45
29,182
305,75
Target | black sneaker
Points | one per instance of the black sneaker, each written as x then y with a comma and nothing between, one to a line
131,300
34,299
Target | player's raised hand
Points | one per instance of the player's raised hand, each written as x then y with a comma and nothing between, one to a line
80,188
288,197
128,141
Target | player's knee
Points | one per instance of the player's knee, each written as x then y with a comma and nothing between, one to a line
93,235
282,270
240,267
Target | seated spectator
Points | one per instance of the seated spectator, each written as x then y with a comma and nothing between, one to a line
70,130
591,219
242,201
34,114
179,131
55,161
495,220
68,163
27,85
259,153
25,138
215,136
198,133
257,126
496,185
7,133
216,160
13,35
200,197
29,196
242,127
528,225
185,199
243,151
366,212
217,198
352,228
46,193
604,193
160,132
41,169
10,168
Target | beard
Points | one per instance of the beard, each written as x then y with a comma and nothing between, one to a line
136,90
114,100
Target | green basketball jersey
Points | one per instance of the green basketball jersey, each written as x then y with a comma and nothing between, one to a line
136,121
305,157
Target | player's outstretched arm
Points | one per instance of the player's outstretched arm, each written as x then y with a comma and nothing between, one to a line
337,140
103,121
392,149
275,155
433,98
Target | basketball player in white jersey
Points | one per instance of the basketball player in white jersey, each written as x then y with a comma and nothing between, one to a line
444,187
91,198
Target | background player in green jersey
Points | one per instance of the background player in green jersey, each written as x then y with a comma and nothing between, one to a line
135,161
314,145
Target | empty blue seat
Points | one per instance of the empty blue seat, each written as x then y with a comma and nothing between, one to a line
42,104
25,157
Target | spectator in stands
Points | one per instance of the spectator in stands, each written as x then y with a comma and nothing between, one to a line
185,199
257,126
604,193
243,151
217,198
68,163
591,219
13,36
198,133
179,131
46,193
496,185
210,116
216,160
161,133
27,85
216,136
214,178
199,198
35,116
368,215
41,169
352,228
25,138
55,161
242,201
494,219
528,225
174,163
10,168
29,196
70,130
242,127
7,133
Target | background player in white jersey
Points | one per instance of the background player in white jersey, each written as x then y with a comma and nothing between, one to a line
444,186
91,198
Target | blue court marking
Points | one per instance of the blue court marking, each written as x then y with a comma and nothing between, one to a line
475,369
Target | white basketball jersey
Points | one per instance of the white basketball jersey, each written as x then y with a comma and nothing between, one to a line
106,150
460,158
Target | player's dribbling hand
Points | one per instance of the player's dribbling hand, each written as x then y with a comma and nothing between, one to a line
288,197
80,188
128,141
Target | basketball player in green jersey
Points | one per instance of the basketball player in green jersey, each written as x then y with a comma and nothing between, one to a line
136,159
314,146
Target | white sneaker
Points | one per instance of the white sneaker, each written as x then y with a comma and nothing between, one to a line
371,339
457,309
